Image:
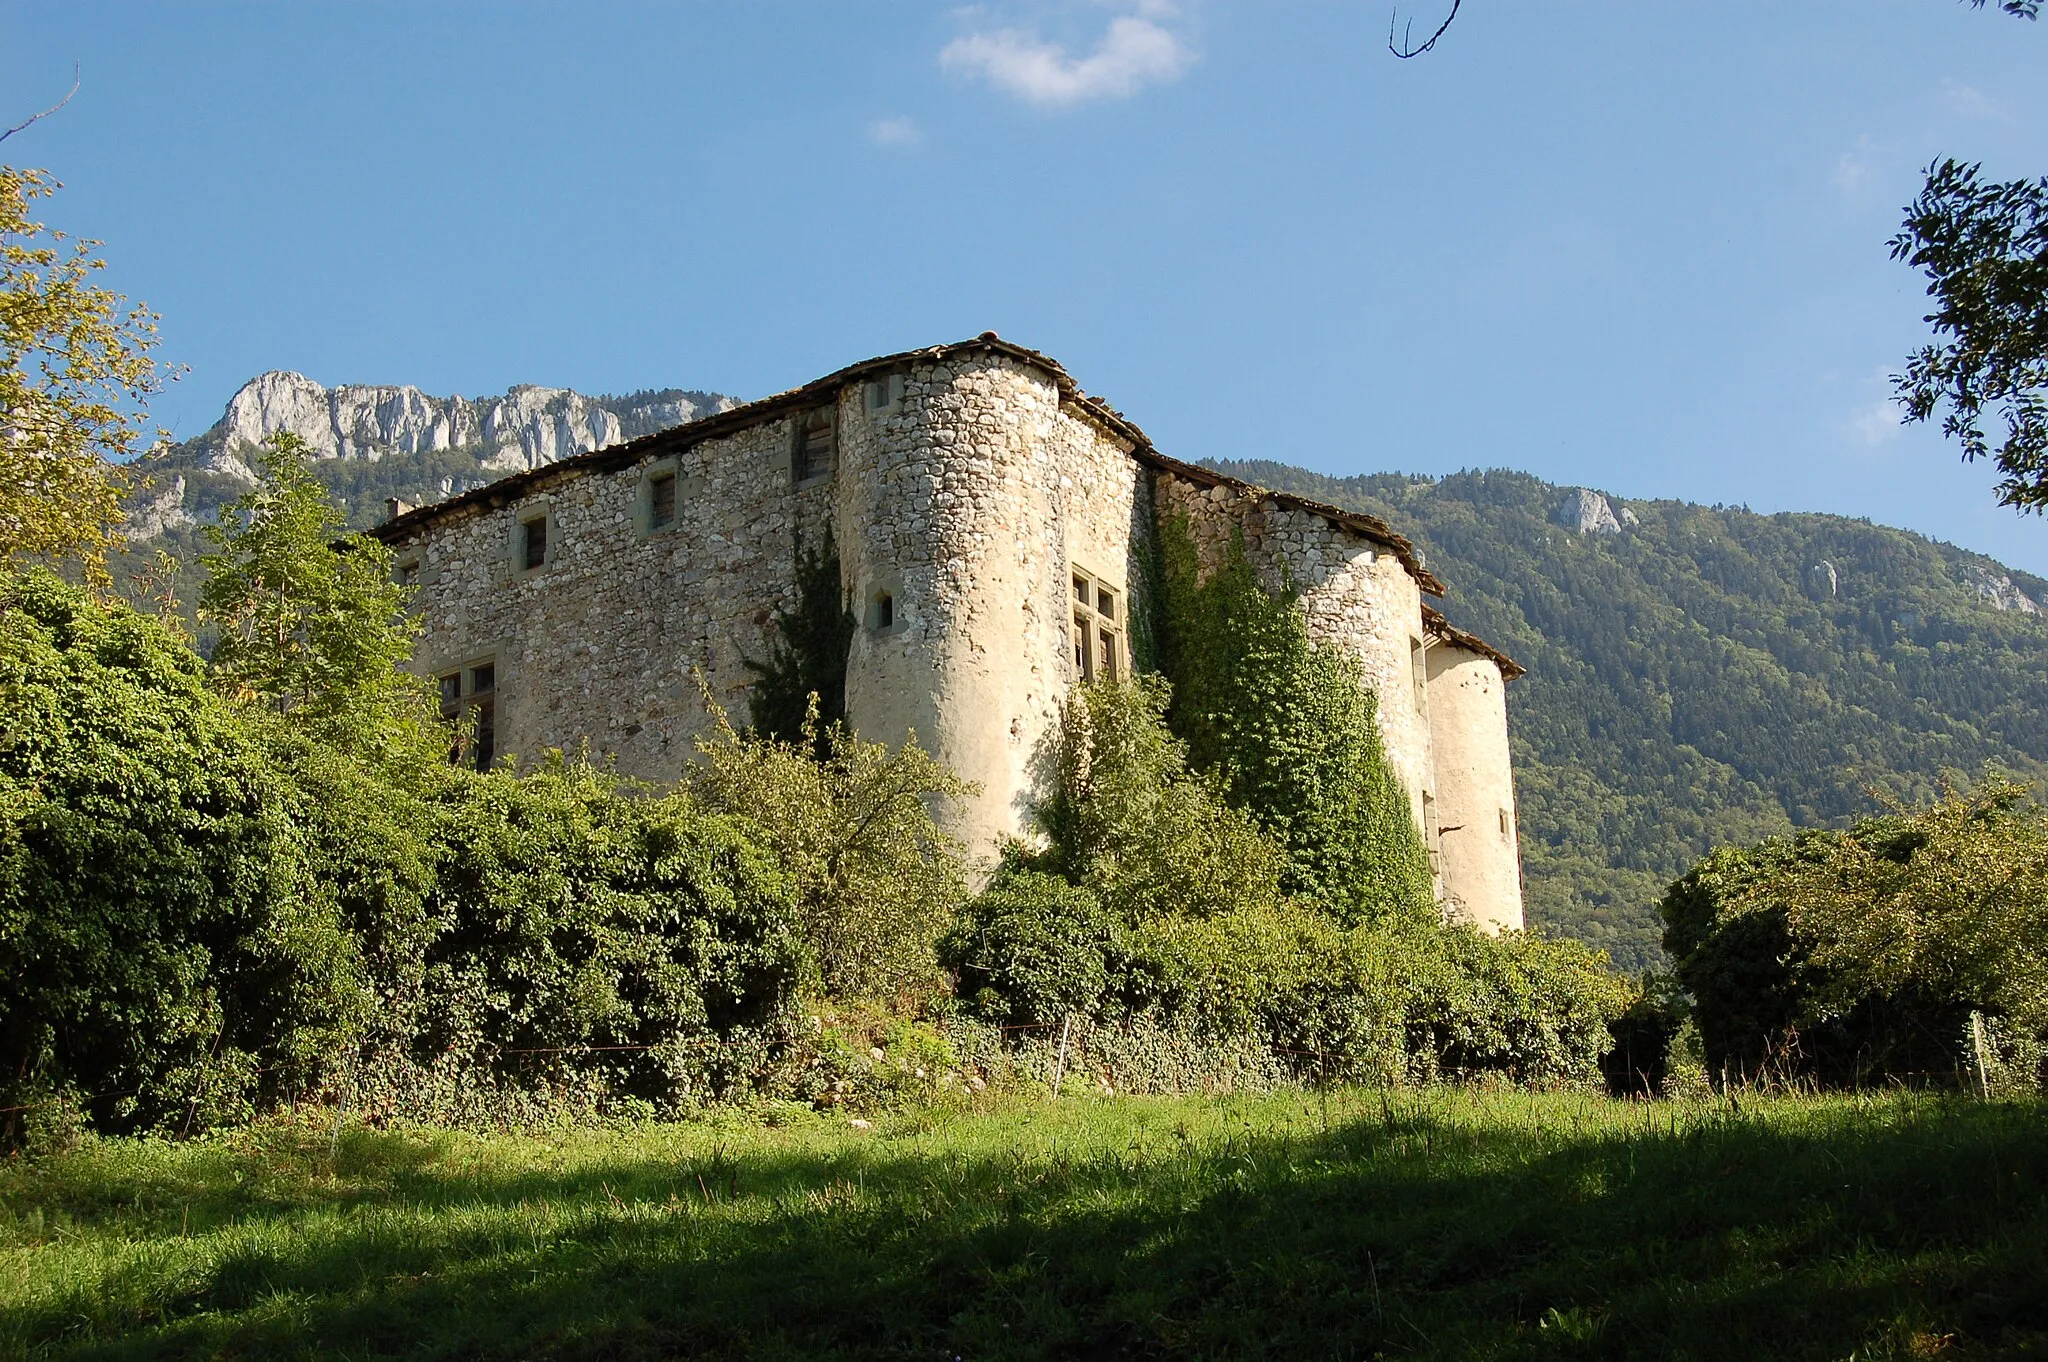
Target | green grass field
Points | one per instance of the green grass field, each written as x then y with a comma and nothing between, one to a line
1432,1224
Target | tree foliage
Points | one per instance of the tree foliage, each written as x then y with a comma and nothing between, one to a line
1851,955
1125,816
854,829
171,957
1984,248
75,374
312,622
807,655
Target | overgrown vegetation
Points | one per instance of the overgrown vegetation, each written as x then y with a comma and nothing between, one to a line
1154,905
1287,726
1908,947
1343,1223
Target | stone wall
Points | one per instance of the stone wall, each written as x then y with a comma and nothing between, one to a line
598,645
1475,790
971,484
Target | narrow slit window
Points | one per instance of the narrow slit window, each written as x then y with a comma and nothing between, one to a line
1504,823
661,501
815,445
533,543
885,612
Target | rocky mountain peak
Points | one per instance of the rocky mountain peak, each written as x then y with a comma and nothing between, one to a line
426,447
1588,512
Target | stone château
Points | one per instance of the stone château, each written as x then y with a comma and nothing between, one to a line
992,522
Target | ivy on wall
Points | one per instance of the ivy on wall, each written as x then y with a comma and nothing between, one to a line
1290,727
807,655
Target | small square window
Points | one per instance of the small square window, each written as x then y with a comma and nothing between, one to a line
661,501
409,572
482,678
533,543
1105,602
1081,590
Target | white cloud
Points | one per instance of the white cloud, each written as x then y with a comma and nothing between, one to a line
1853,169
1137,50
894,132
1877,423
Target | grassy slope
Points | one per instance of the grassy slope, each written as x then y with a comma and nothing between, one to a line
1692,684
1442,1223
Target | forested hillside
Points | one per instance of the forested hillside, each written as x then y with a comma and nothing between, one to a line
1700,675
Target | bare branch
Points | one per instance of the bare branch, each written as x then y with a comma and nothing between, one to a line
47,112
1406,48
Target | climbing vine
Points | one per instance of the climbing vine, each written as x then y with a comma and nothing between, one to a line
1290,728
807,655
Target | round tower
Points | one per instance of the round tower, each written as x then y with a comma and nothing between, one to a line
1479,844
946,506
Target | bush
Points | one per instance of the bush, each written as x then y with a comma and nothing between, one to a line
1124,816
1033,950
876,881
1846,957
640,944
1534,1011
171,957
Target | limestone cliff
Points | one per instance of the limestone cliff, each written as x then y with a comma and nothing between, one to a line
370,442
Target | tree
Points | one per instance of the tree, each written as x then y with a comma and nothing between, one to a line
75,375
312,621
1984,247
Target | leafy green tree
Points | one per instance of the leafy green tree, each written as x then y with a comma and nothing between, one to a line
1289,726
878,881
1125,817
75,375
1984,248
173,958
1948,903
312,622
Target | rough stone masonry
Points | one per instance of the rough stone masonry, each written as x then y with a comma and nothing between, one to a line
992,521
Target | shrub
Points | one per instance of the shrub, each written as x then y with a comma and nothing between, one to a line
1850,956
1531,1010
876,880
633,941
1033,950
1125,817
171,958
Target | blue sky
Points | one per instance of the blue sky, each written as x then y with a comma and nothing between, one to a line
1637,247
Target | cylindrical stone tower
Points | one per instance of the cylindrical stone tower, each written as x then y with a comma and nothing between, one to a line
947,500
1479,843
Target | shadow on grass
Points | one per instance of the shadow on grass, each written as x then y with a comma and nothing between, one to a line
1910,1228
